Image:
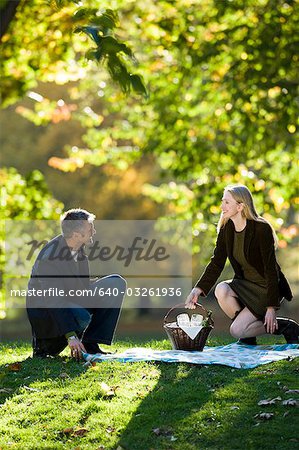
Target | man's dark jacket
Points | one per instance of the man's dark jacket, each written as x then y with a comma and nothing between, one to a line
259,251
50,316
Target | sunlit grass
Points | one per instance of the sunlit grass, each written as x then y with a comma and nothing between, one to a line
45,403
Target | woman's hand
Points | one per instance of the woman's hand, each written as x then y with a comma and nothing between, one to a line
76,347
193,297
270,320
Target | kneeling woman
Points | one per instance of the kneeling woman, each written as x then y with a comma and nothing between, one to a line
252,298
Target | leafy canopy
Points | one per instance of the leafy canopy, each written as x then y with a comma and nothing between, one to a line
223,85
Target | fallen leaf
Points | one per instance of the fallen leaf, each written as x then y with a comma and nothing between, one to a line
80,432
292,391
31,389
264,416
64,375
141,394
68,430
6,390
108,391
269,401
157,431
286,413
110,429
234,407
14,367
164,431
290,402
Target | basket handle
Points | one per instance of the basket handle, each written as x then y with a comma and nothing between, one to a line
180,305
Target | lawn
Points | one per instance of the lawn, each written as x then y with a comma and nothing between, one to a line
59,404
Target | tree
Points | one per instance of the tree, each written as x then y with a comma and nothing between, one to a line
7,12
223,87
22,198
44,45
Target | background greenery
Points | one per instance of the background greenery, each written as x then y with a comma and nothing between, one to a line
142,110
145,110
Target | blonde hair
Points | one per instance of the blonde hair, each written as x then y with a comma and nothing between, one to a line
241,194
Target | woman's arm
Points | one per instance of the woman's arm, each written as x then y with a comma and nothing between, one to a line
270,266
215,266
211,273
270,321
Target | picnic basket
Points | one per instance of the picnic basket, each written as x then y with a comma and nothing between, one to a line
179,339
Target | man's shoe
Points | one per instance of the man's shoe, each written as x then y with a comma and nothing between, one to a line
92,348
48,347
247,341
289,329
37,353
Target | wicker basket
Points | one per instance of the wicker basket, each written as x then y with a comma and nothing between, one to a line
179,339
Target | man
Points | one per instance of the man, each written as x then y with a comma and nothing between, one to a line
69,311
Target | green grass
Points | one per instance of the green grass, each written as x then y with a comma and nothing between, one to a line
193,407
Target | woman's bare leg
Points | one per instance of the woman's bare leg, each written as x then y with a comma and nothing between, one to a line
227,300
246,325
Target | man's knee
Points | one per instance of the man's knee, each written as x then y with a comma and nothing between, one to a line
118,282
114,280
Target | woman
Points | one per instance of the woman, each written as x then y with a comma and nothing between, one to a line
252,298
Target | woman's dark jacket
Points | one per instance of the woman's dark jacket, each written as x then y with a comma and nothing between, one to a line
259,251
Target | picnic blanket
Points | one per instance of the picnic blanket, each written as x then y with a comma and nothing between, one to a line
232,355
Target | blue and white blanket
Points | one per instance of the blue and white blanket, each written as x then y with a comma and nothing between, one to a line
233,355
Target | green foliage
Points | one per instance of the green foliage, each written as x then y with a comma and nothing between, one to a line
223,106
23,198
26,197
109,50
223,82
42,44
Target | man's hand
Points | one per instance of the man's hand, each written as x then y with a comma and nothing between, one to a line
270,320
193,297
76,347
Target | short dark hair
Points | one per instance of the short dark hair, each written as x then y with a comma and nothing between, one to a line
72,221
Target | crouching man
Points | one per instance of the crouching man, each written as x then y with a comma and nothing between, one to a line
59,318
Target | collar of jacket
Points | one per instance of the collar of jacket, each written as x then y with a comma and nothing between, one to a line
63,252
62,246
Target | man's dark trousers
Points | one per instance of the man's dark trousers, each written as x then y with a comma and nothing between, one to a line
96,317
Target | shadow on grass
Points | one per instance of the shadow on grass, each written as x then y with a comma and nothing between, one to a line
166,418
24,372
211,407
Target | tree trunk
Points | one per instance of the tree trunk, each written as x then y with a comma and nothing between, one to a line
7,14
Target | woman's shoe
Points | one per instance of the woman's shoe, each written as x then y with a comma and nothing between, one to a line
289,329
93,348
247,341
